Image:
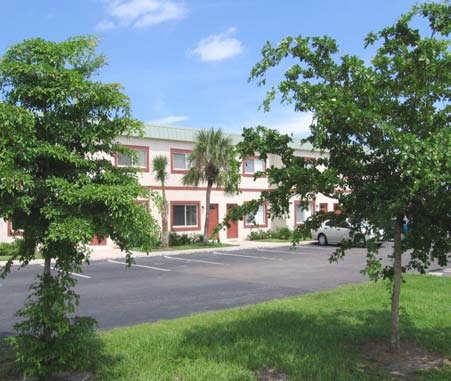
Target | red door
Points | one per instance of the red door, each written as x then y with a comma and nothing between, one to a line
213,219
323,207
232,231
95,241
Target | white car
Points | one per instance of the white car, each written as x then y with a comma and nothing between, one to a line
330,233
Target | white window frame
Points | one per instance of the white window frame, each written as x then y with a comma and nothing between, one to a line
306,213
185,215
255,160
145,166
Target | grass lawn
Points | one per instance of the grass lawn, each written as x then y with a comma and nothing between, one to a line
311,337
6,257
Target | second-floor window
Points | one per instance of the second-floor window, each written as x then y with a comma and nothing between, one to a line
179,160
253,165
140,159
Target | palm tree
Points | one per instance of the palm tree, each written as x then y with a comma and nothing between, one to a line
160,164
212,162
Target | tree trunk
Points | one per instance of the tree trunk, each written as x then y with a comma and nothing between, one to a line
164,221
395,345
207,211
46,284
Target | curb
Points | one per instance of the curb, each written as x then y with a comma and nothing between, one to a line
140,254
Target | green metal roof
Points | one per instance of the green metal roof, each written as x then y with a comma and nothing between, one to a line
185,134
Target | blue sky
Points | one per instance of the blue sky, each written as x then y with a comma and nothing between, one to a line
187,62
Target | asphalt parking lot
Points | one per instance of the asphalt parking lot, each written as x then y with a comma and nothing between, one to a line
171,286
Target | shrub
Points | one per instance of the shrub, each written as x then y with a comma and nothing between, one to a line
284,233
9,249
256,235
65,343
184,239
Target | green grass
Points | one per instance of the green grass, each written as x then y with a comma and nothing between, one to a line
311,337
7,257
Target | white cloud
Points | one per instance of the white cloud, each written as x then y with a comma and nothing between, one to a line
103,25
140,13
218,47
170,119
297,124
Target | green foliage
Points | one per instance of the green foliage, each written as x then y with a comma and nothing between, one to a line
383,128
184,239
9,249
50,341
281,233
256,235
59,129
213,161
160,164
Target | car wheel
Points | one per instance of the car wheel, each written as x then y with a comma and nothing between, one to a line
322,239
359,240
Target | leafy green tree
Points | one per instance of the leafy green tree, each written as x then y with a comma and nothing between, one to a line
383,127
213,162
59,130
160,164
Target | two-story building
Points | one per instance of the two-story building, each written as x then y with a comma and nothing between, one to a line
187,203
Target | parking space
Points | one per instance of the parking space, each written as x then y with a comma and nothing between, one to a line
169,286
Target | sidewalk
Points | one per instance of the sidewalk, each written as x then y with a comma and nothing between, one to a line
106,252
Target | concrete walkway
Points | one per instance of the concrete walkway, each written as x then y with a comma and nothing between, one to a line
107,252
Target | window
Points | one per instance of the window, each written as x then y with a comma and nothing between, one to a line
179,160
302,214
323,207
258,219
139,160
185,215
252,165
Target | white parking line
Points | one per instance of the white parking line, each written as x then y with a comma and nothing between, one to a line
276,251
436,274
447,270
193,260
74,274
146,267
247,256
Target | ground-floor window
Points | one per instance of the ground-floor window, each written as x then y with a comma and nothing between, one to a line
259,219
302,212
185,215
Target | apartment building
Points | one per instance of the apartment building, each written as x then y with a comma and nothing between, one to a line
187,203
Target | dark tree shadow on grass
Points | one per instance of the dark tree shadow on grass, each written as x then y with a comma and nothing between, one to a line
305,347
93,351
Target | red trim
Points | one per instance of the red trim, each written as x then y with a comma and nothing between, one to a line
13,233
189,228
95,241
326,208
298,202
146,202
159,187
134,147
251,174
177,150
265,225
